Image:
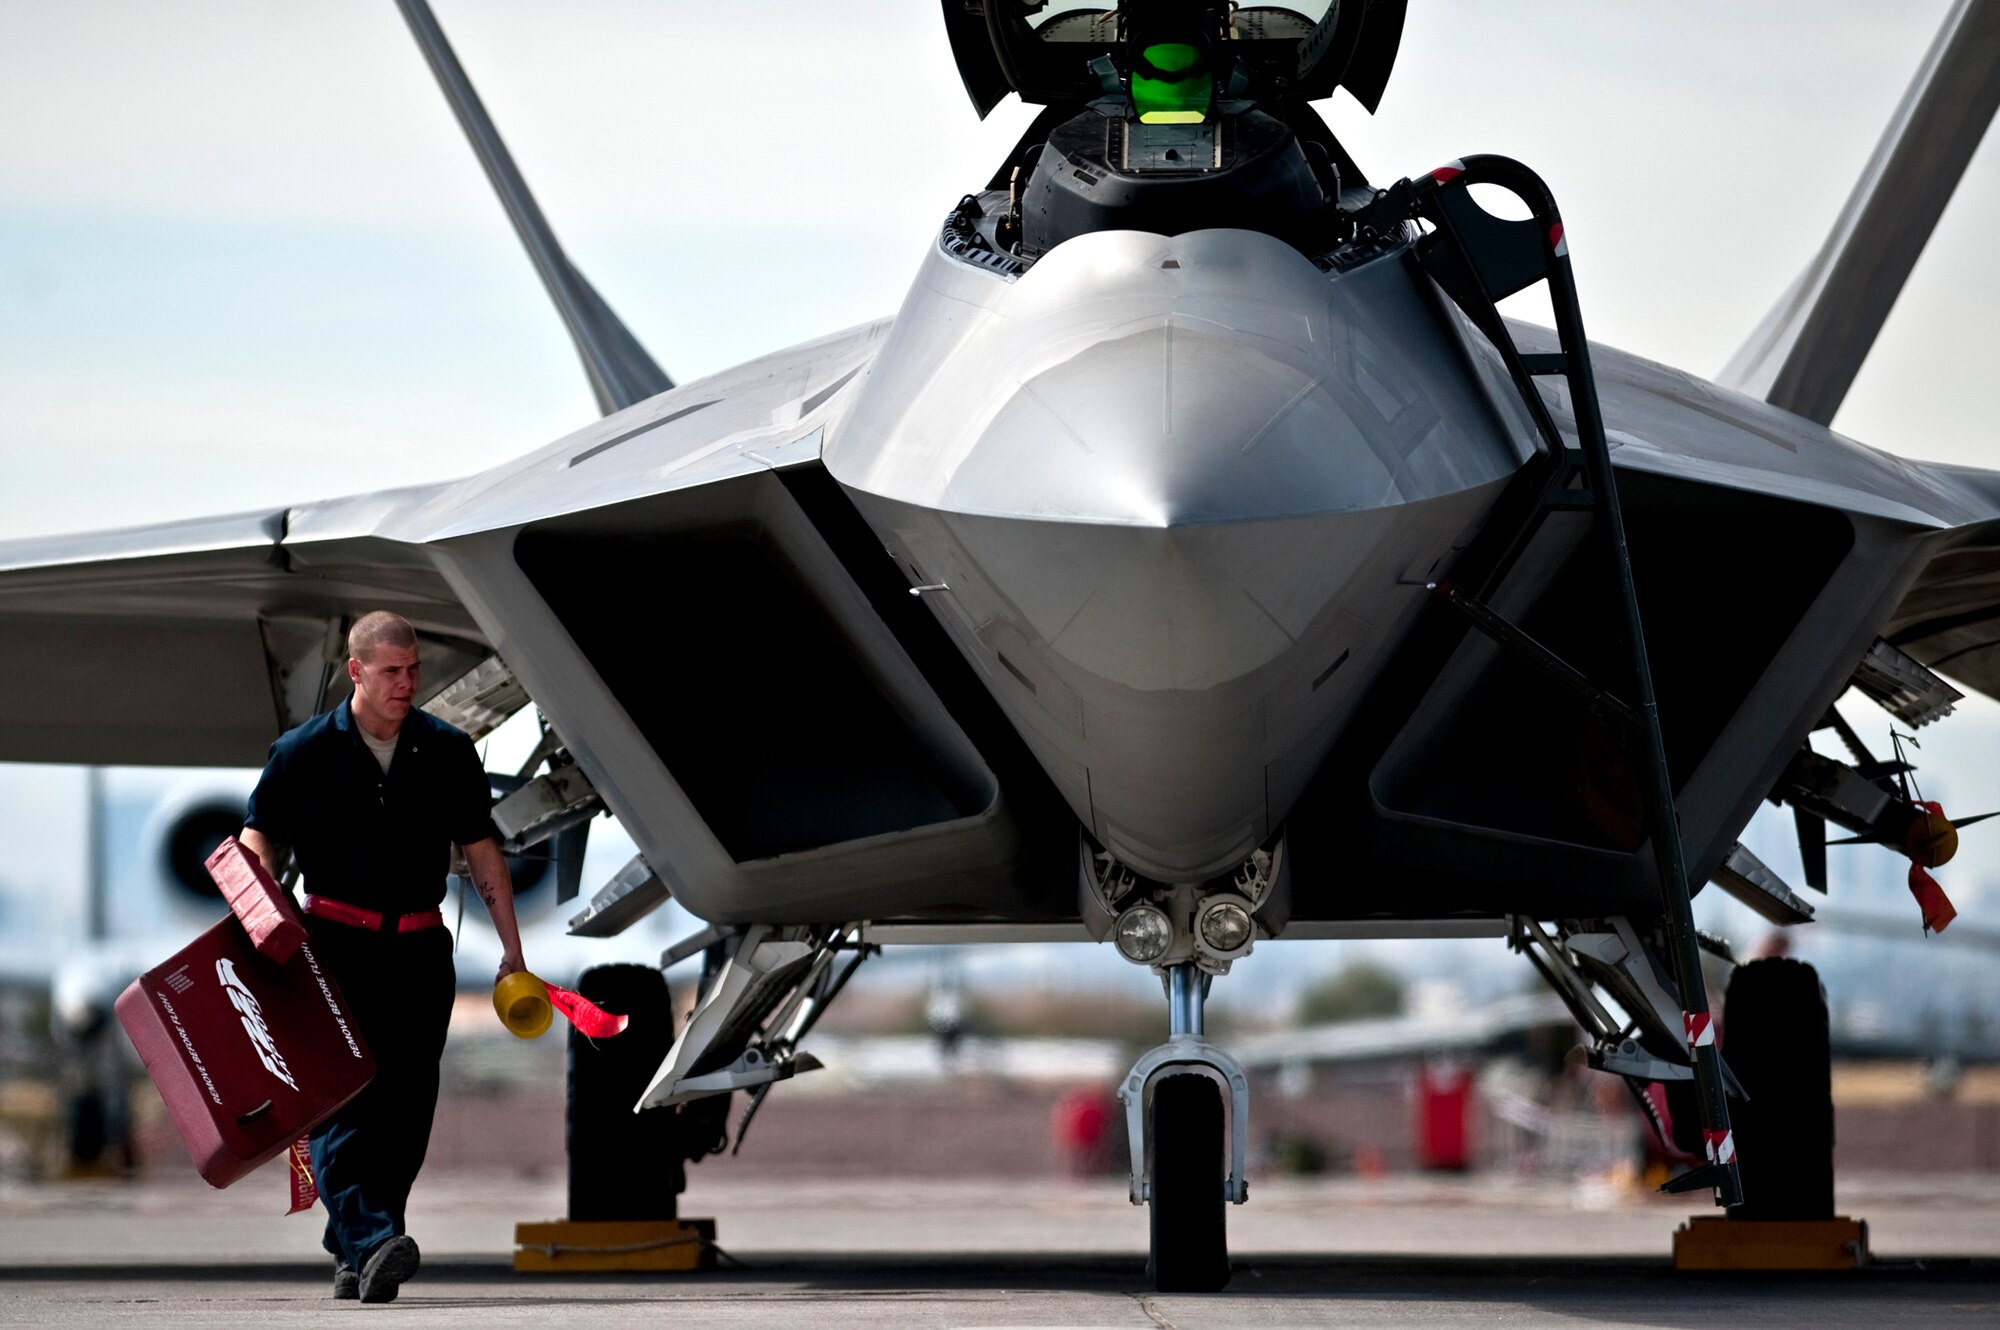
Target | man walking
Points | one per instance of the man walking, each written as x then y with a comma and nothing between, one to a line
369,798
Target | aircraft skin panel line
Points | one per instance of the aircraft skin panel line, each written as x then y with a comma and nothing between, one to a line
751,418
1669,422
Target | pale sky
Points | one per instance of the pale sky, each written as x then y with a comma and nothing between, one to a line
247,259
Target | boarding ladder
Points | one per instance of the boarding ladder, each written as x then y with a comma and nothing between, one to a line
1478,259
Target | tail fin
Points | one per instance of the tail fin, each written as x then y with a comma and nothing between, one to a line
1806,352
619,369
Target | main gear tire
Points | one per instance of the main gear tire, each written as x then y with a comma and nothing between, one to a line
623,1165
1774,1035
1190,1243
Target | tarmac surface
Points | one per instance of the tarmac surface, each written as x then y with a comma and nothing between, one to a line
1493,1250
1051,1292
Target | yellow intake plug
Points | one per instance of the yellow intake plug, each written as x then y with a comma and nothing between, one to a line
1931,840
522,1003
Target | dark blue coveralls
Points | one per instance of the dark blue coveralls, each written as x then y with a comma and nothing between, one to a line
382,842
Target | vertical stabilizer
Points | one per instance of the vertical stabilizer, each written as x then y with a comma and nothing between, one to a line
1805,354
620,371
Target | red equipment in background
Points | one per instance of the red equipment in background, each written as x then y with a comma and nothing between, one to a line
1444,1117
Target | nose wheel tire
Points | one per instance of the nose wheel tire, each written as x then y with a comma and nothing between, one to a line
1190,1246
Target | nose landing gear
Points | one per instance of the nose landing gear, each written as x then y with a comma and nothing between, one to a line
1173,1099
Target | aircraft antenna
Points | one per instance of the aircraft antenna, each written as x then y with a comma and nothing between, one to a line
619,369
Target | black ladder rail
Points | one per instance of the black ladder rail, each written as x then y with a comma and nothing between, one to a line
1478,260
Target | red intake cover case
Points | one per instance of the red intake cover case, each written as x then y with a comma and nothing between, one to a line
249,1054
263,907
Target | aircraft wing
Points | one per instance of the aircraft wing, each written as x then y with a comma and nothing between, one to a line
175,643
1668,423
1950,619
198,642
1404,1036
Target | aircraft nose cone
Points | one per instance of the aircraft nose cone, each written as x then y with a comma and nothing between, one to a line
1178,421
1176,487
1145,380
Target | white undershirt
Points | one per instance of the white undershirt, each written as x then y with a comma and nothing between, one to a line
384,749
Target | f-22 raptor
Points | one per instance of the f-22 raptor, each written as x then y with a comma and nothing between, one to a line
1198,558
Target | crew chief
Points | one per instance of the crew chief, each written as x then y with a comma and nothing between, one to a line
370,797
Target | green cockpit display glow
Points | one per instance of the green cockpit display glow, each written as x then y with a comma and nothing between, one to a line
1171,84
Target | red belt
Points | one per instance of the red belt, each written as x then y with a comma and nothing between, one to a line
340,912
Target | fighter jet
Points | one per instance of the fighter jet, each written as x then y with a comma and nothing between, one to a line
1197,558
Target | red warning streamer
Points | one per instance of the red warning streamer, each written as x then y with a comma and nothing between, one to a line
584,1014
1937,907
305,1191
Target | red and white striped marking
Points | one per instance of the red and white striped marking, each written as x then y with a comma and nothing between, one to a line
1721,1146
1700,1029
1449,172
1556,241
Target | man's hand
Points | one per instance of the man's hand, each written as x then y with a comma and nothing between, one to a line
270,853
511,963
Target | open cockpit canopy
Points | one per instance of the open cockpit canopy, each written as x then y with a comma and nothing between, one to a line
1049,51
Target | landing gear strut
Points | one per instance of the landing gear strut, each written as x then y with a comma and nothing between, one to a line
1174,1117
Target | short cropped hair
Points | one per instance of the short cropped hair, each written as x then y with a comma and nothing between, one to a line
379,628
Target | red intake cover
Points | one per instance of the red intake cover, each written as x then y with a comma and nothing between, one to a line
249,1054
263,907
